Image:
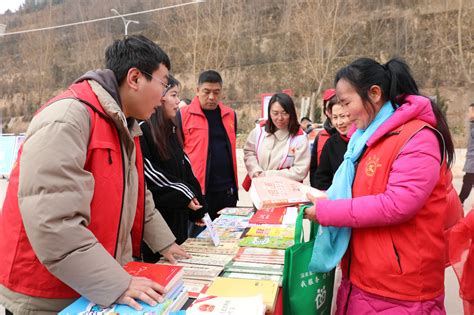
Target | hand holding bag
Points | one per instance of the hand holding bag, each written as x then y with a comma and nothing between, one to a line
305,292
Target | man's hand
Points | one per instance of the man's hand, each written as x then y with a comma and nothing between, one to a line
174,250
194,204
143,289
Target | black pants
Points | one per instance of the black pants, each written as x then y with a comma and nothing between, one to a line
216,200
7,312
467,182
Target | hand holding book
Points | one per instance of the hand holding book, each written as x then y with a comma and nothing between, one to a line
310,212
144,289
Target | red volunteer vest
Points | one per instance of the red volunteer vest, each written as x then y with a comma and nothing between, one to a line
404,261
196,138
322,137
20,269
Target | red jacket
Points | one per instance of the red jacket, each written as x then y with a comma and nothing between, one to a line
20,269
400,261
196,138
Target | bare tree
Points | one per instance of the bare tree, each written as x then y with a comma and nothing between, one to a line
323,29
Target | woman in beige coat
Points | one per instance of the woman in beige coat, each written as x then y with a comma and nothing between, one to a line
279,147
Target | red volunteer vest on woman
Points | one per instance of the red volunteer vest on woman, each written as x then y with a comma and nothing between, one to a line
20,269
196,138
404,261
322,137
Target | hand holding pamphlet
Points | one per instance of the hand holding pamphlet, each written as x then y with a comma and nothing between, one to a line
276,191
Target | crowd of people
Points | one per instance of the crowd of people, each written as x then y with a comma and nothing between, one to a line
117,168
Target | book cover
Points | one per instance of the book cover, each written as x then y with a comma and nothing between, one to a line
253,276
207,259
83,306
165,275
266,242
252,267
271,231
225,233
233,287
260,255
208,304
199,272
232,221
268,216
196,287
194,245
239,211
276,191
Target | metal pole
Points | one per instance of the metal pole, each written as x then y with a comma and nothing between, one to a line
125,21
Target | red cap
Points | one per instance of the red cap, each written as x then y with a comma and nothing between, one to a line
328,94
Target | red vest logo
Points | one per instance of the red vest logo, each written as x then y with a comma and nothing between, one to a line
371,165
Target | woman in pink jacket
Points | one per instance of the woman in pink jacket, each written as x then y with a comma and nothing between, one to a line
394,173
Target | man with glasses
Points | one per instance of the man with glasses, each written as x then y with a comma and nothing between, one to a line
77,207
209,135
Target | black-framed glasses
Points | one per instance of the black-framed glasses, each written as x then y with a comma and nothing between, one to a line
165,85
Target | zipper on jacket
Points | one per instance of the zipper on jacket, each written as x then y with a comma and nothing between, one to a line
398,257
123,195
110,156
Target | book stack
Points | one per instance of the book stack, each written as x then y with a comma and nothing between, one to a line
266,242
195,245
239,211
209,304
269,236
261,255
170,277
268,216
254,270
206,263
231,288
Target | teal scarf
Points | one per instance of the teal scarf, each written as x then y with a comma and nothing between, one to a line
331,242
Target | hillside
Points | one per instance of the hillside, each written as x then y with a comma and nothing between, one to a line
259,46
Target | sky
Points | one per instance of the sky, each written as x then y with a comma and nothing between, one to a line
13,5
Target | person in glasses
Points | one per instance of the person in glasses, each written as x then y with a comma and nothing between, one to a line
279,145
168,172
209,136
333,151
77,207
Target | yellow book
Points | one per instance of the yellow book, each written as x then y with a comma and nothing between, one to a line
233,287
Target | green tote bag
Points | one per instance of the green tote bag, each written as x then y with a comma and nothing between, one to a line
304,292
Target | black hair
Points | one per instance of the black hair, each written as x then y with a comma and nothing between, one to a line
162,128
396,82
210,76
305,118
135,51
330,104
287,103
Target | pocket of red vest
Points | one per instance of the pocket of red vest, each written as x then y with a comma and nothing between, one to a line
102,157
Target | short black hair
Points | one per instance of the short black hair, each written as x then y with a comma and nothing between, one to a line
135,51
305,118
210,76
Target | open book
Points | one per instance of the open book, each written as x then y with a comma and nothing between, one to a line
276,191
